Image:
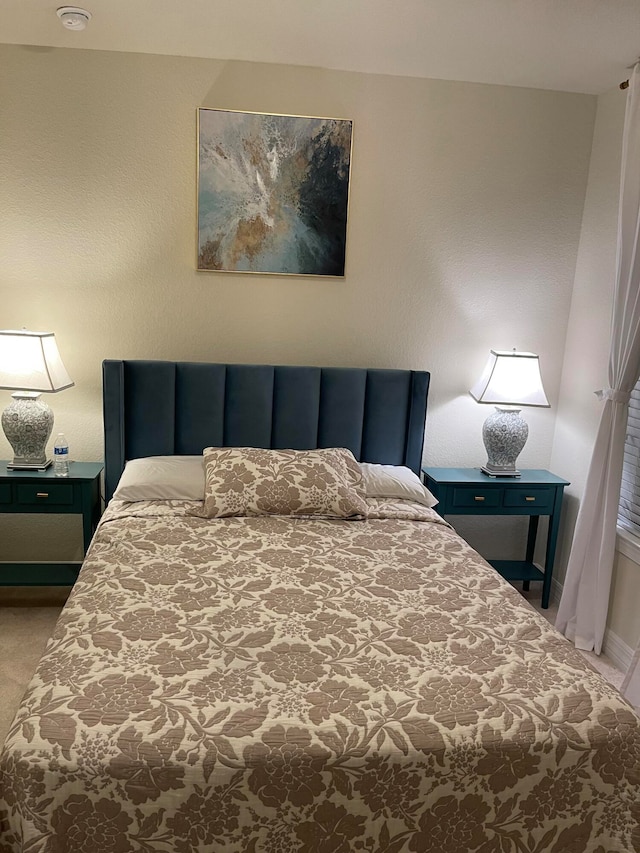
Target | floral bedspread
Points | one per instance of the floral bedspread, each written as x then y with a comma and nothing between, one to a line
280,685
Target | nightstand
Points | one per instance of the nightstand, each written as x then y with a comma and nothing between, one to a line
37,492
467,491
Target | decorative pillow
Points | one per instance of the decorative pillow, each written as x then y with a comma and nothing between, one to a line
395,481
251,481
162,478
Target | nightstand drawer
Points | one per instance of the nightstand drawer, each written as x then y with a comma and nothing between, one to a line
476,497
5,493
46,493
529,498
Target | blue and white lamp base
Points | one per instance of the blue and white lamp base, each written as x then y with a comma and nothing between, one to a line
504,433
27,423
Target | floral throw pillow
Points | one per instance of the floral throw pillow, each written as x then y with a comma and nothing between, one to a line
251,481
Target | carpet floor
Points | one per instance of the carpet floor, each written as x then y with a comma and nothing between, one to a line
27,619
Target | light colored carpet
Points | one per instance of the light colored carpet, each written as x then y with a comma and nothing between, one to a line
28,617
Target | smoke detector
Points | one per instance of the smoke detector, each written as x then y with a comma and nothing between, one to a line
73,18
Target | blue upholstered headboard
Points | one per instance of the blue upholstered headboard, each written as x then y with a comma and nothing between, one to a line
161,408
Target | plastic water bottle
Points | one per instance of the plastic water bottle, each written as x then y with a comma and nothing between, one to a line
61,456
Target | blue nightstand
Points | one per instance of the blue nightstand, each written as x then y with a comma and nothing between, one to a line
36,492
467,491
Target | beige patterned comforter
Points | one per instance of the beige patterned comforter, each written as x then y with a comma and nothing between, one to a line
278,685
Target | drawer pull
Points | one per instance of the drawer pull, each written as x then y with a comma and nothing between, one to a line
42,494
478,498
529,499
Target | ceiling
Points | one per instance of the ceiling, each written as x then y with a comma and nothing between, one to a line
566,45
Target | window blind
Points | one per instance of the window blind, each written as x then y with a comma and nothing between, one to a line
629,508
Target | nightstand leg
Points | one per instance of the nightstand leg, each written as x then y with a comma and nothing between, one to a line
88,513
531,544
552,538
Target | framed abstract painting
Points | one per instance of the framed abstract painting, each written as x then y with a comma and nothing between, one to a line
273,193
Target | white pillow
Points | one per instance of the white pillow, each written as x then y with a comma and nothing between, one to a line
395,481
162,478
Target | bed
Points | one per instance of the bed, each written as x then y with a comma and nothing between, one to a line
293,681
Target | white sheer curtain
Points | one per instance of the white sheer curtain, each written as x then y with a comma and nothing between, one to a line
583,608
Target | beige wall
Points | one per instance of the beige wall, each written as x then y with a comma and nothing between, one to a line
623,618
464,223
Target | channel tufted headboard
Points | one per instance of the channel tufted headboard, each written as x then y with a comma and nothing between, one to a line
162,408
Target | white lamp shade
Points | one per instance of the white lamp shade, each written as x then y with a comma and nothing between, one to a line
30,361
511,379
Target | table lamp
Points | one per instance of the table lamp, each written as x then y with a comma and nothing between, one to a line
509,381
30,364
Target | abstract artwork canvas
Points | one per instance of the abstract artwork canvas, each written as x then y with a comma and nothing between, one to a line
273,193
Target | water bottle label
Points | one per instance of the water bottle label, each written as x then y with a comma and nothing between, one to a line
61,451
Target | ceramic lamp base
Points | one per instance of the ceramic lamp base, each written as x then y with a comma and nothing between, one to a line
27,423
504,433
